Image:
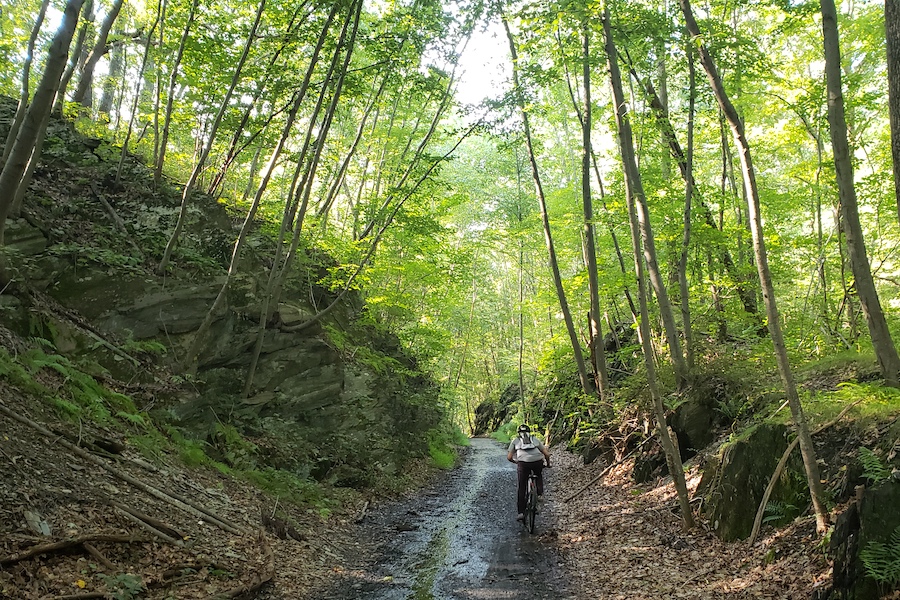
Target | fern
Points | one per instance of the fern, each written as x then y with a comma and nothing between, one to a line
873,469
882,561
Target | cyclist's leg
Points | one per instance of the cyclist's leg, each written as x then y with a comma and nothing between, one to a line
538,468
522,488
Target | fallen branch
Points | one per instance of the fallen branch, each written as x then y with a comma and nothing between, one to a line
155,523
63,544
150,528
779,468
607,470
169,497
98,556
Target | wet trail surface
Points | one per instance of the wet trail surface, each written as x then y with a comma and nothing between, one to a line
456,540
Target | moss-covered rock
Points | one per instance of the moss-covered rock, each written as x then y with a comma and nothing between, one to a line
733,484
858,533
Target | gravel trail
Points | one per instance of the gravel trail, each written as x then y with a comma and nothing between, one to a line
457,540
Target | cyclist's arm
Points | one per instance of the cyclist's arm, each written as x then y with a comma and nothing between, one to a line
509,456
546,454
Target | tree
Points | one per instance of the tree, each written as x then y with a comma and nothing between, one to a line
26,79
590,252
35,119
885,351
548,237
639,233
100,48
765,276
892,33
207,147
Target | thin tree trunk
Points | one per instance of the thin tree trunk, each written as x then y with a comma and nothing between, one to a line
633,176
885,351
545,218
892,33
116,73
157,84
746,293
354,8
211,138
100,49
765,277
75,57
235,146
379,234
26,78
170,95
35,119
279,271
590,251
137,94
688,196
673,458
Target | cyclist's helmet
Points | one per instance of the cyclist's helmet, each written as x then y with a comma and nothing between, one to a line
523,428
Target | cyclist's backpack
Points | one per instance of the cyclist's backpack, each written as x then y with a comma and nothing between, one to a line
526,442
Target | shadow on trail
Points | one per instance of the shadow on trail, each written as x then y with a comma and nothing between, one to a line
457,541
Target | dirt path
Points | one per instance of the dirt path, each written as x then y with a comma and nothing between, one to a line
457,540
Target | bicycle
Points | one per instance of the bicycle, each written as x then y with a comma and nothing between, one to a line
531,502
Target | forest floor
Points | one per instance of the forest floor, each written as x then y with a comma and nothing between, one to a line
625,540
72,528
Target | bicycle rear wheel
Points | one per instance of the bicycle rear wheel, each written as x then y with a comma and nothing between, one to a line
531,506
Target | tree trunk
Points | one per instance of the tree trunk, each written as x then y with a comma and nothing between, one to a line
765,277
279,270
892,33
100,48
688,196
137,94
746,293
673,458
885,351
545,218
590,251
170,95
211,138
635,185
116,73
76,56
35,118
26,86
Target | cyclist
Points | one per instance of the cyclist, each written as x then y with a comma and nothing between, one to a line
529,454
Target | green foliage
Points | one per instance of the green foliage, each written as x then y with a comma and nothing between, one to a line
287,487
882,561
873,469
506,432
378,362
441,446
67,387
234,450
124,586
191,452
152,347
780,513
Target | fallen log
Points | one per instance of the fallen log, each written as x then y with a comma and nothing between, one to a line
68,543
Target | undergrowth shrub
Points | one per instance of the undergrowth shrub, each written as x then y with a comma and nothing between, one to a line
882,561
